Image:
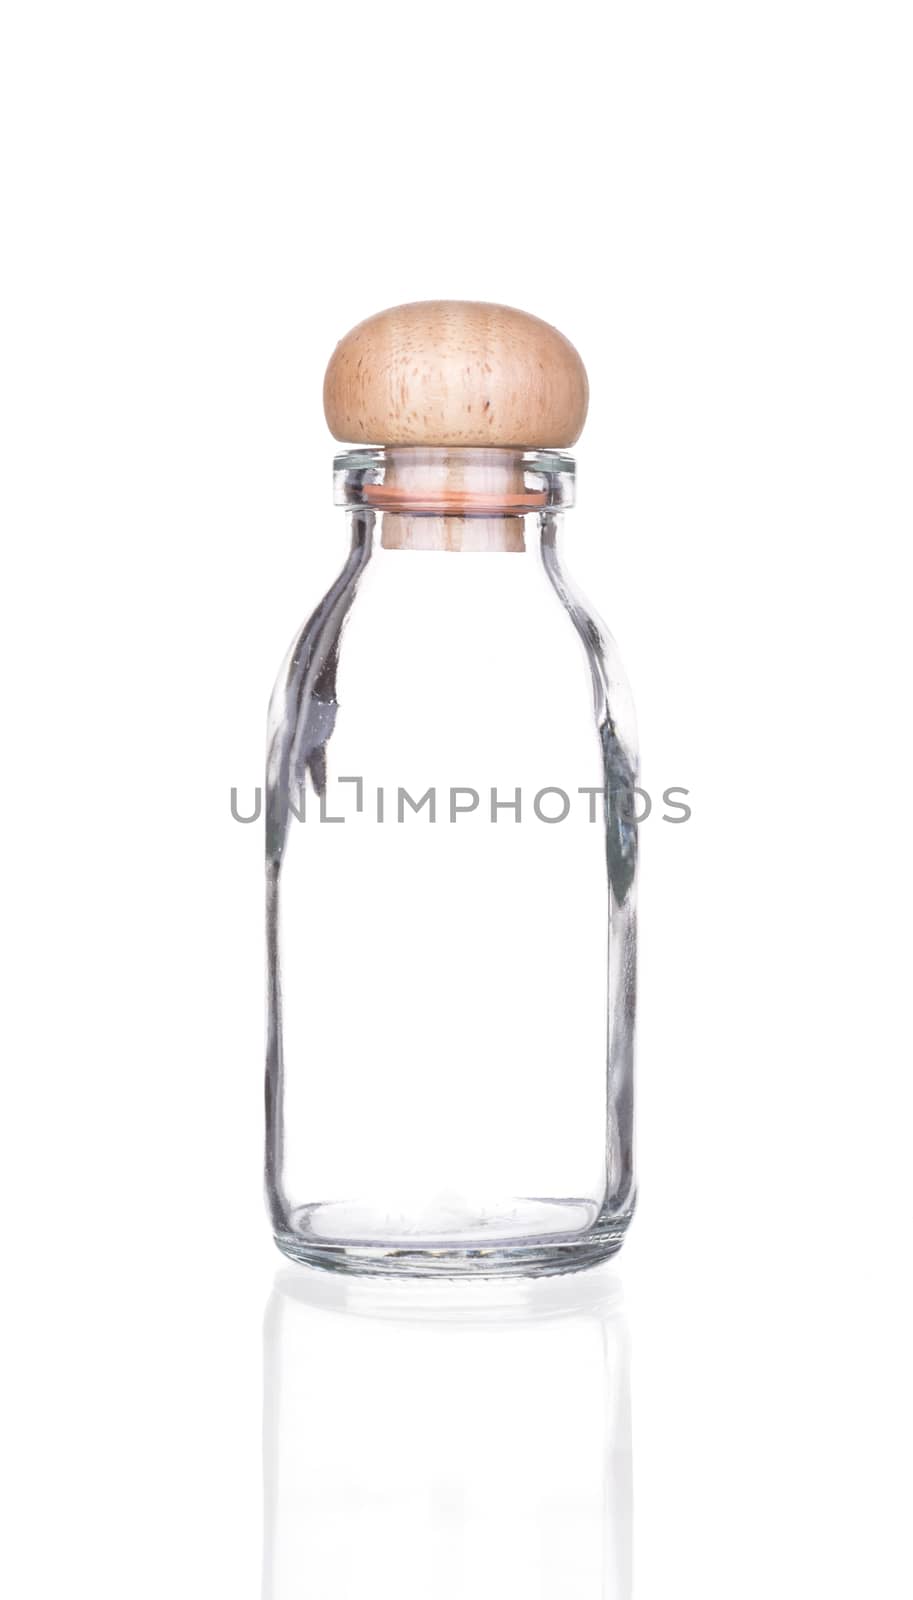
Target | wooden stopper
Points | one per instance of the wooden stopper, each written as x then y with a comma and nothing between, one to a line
446,499
455,372
462,376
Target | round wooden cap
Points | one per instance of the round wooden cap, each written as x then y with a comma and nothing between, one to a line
455,372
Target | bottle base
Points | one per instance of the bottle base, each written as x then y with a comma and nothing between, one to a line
527,1238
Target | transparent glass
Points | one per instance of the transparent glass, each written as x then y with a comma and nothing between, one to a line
450,861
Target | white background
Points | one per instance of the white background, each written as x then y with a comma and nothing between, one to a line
713,202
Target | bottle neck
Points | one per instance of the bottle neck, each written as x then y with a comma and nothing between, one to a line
459,500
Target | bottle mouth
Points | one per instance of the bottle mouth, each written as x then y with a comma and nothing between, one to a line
446,481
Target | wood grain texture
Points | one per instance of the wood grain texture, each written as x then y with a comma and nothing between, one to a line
455,372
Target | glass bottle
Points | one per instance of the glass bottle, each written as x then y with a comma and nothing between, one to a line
451,837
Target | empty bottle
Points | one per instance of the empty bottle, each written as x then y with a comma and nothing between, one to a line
451,836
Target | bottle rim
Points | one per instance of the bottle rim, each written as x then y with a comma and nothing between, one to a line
428,480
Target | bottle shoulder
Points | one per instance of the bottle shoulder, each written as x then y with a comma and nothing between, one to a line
508,634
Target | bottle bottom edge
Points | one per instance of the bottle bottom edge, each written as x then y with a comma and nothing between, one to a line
541,1255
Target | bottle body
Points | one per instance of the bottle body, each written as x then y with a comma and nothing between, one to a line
451,853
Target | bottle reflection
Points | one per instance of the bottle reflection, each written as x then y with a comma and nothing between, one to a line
417,1446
